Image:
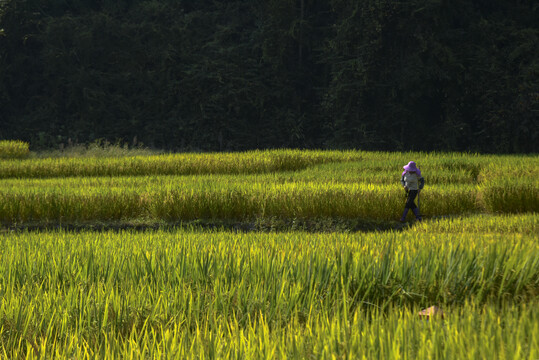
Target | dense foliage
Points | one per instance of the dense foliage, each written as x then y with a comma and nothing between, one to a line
221,295
195,290
13,149
260,186
244,74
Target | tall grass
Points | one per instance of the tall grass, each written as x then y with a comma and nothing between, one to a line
174,198
470,332
187,198
173,164
277,183
511,196
371,167
283,295
483,224
13,149
220,294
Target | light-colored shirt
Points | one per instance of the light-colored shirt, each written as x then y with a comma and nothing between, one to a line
411,181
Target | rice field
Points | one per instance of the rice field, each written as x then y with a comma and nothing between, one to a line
219,294
253,185
13,149
188,292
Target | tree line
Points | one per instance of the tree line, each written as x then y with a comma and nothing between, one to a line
212,75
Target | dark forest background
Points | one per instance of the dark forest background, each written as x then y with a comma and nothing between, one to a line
211,75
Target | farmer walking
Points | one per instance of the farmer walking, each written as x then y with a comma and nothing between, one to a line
413,182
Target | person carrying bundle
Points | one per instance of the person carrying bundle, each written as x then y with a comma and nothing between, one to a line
413,182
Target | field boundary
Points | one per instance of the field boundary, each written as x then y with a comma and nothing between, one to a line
259,225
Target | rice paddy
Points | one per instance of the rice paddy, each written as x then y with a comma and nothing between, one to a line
183,291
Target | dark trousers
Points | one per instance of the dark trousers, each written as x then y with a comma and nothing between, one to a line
410,204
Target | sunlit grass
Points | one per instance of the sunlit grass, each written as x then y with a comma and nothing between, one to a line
188,293
173,164
246,197
13,149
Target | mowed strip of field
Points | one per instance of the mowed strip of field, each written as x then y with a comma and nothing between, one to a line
255,185
193,294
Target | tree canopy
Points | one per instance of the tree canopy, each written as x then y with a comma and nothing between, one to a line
459,75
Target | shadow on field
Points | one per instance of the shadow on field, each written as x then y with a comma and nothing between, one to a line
257,225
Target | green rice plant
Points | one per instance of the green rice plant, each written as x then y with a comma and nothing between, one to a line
399,334
13,149
365,172
234,197
482,224
511,196
293,295
509,167
220,294
510,185
370,167
173,164
254,185
215,197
